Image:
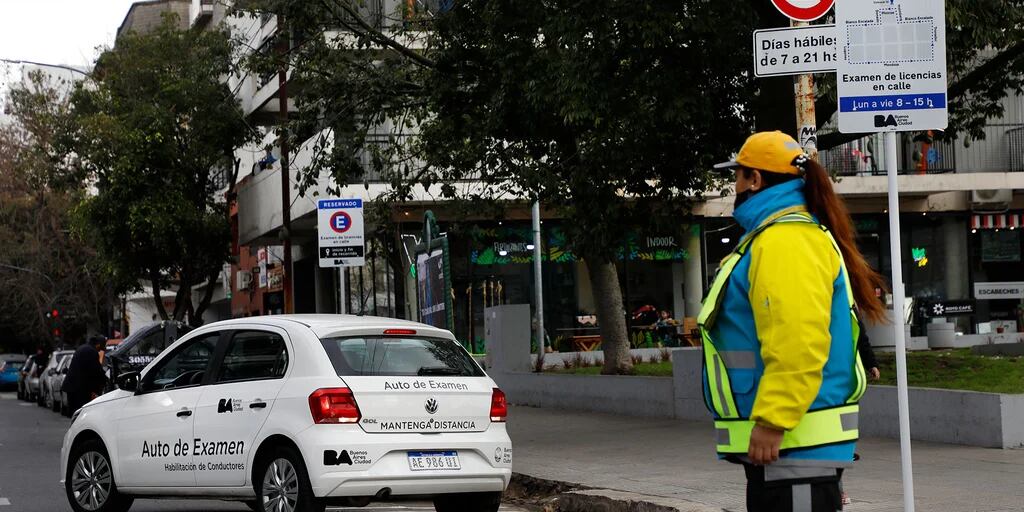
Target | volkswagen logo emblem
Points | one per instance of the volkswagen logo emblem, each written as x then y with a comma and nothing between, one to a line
431,405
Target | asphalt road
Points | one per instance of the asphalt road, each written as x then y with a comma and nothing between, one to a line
30,442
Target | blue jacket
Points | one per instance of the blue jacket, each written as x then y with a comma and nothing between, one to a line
787,301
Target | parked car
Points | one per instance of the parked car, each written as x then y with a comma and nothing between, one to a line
23,377
57,401
141,347
33,378
10,368
294,413
112,344
45,398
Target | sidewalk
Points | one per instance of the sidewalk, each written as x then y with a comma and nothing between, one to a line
672,463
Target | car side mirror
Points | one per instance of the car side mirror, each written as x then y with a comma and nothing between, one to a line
128,381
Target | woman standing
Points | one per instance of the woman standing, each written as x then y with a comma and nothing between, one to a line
779,326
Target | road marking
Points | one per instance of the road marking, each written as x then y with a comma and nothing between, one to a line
26,405
4,501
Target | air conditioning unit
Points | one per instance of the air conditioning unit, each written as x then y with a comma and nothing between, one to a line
244,278
991,201
202,11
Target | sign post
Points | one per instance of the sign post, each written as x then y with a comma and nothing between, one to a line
891,76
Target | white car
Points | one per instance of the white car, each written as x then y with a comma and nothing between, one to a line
294,413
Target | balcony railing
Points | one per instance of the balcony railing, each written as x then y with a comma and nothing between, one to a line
1002,150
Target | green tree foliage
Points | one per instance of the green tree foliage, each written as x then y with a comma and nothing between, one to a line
151,131
42,265
610,112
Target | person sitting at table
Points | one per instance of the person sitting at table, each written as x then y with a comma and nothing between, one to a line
665,327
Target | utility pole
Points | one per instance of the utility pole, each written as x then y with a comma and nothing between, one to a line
286,210
806,120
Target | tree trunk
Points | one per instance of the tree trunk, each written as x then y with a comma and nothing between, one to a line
157,299
604,280
204,302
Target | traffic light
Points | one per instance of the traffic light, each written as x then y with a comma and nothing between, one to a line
54,315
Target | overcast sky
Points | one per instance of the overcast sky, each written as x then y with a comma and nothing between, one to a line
57,31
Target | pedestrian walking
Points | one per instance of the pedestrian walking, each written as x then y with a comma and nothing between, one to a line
780,331
85,378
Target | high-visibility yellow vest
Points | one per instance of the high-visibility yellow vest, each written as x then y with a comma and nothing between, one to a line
817,427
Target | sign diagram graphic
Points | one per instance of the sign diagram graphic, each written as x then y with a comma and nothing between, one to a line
891,74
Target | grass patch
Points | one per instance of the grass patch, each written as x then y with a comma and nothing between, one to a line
957,369
946,369
658,369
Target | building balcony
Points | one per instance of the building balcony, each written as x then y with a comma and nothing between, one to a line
1002,150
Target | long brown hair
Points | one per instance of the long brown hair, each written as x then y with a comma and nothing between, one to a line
830,209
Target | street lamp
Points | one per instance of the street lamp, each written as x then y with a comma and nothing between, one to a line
43,64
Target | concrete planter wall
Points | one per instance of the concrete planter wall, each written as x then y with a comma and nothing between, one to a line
628,396
959,417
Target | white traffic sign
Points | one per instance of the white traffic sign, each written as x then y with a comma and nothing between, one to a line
795,50
340,230
803,10
891,74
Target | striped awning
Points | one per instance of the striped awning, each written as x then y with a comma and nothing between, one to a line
997,221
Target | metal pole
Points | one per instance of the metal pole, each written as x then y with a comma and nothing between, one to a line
806,121
286,210
898,299
538,283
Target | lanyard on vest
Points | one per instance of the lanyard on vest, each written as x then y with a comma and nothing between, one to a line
835,424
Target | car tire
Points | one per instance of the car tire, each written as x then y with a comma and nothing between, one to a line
468,502
48,401
89,470
282,475
56,405
40,399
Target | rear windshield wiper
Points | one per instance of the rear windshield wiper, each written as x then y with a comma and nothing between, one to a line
438,370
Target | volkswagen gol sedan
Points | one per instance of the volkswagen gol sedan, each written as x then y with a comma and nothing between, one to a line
294,413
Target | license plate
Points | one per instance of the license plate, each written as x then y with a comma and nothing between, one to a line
432,461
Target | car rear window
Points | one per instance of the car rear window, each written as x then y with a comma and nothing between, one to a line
16,365
399,356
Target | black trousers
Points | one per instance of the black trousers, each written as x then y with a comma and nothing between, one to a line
76,399
821,494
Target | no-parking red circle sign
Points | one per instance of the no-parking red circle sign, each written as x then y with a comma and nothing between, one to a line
803,10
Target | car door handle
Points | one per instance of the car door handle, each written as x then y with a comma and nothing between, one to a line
184,413
258,405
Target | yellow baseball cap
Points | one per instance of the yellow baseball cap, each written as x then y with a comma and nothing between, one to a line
768,151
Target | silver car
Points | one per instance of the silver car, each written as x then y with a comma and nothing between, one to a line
57,401
46,378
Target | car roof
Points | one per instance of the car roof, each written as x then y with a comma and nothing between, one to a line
323,325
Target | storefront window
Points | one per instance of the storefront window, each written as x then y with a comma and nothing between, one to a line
998,279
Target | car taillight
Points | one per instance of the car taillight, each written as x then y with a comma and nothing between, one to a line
399,332
499,407
334,405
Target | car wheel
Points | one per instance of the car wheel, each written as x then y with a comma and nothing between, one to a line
283,485
56,405
89,482
468,502
48,402
40,399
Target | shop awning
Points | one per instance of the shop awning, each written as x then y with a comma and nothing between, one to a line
997,221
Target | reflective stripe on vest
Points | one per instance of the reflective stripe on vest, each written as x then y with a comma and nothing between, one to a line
816,428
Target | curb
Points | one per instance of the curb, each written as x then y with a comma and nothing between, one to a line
554,496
